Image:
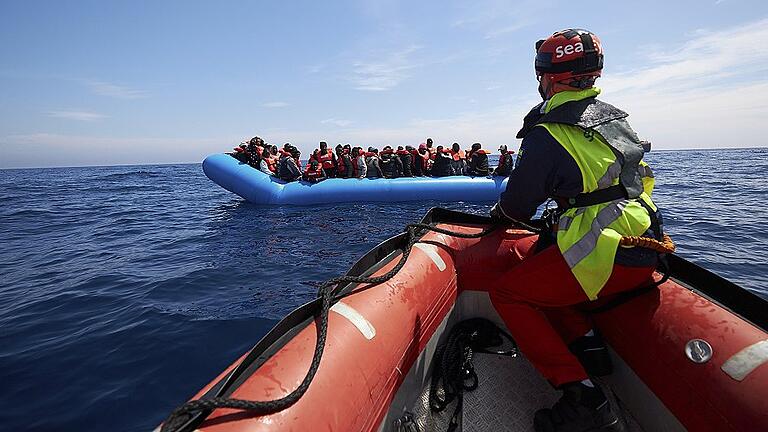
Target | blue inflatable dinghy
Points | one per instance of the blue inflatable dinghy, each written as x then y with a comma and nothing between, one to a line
259,188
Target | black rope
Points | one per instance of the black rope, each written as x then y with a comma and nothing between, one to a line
453,369
185,415
624,297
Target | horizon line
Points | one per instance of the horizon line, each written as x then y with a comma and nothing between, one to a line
200,162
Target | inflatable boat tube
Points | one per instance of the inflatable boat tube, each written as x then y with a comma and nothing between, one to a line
691,354
259,188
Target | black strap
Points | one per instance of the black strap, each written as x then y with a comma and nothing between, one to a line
599,196
656,222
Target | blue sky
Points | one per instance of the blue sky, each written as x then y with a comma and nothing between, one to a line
121,82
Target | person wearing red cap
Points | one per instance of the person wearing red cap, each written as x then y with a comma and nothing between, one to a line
581,153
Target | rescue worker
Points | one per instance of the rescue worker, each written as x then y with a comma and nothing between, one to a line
372,161
506,162
327,160
406,160
442,166
390,164
478,161
287,169
582,153
459,159
314,172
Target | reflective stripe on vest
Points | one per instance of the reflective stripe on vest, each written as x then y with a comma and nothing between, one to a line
588,237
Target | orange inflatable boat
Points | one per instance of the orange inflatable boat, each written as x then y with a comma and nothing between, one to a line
691,354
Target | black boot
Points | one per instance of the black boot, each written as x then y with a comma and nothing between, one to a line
593,355
580,409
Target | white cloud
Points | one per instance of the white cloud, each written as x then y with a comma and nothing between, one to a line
276,104
103,88
676,100
315,69
77,115
498,18
709,91
336,122
386,72
505,30
714,59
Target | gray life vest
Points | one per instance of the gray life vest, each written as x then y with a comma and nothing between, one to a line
592,116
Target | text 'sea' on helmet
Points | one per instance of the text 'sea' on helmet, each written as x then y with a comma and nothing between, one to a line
571,54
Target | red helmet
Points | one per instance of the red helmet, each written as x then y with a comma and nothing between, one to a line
568,59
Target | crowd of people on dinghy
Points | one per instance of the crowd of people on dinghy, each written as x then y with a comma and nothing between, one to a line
355,162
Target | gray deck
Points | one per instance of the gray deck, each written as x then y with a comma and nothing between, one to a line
516,391
510,391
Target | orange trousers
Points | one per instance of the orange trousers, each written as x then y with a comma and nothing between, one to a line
536,300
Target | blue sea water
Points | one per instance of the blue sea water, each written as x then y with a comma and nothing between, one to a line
125,289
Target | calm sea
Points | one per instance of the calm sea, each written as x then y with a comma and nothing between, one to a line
125,289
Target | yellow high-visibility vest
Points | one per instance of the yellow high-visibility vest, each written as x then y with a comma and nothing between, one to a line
588,237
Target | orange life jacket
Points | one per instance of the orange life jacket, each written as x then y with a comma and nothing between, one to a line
326,160
313,174
457,156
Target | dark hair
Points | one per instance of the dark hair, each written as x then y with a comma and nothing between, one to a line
456,147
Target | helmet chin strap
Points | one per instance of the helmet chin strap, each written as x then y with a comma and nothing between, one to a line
578,83
544,91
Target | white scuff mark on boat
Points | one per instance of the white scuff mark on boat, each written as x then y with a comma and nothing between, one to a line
431,251
745,361
359,321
